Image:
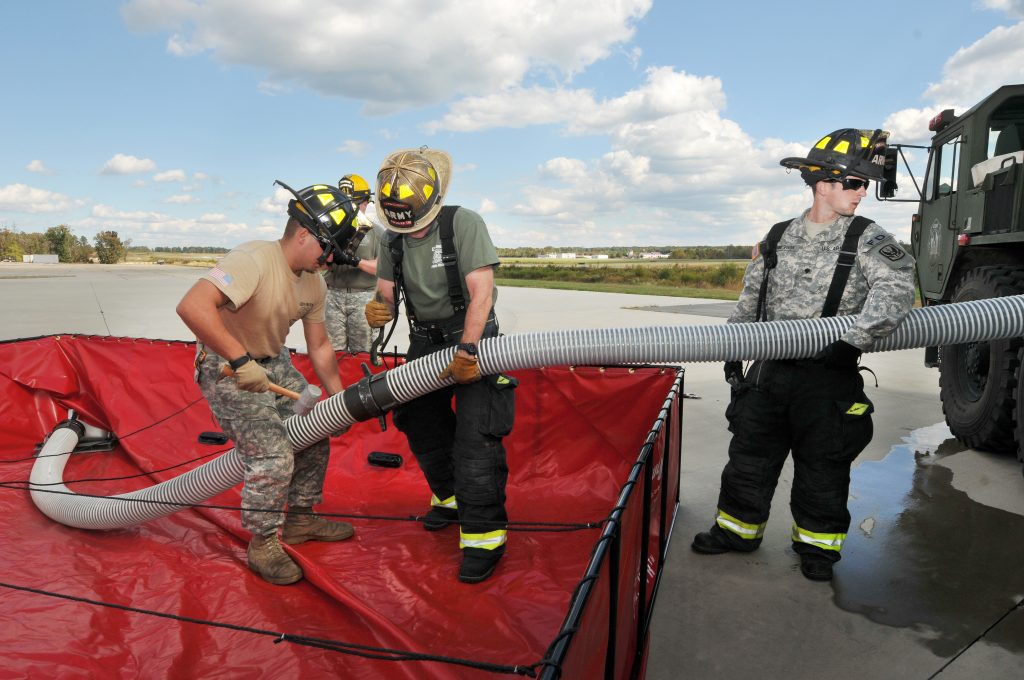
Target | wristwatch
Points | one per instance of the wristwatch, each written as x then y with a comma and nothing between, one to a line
238,362
467,347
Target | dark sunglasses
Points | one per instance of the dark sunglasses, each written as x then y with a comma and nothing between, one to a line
853,183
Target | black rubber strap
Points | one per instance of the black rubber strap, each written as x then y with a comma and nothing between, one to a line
450,258
847,256
768,249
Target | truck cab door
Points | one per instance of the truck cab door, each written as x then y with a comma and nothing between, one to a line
938,216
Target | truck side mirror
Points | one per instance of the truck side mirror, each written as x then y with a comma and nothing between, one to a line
887,186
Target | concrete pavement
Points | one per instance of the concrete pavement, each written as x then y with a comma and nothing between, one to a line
931,579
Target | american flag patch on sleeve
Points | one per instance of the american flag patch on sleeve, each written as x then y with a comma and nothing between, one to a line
219,275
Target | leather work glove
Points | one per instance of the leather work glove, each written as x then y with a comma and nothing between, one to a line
251,377
734,372
840,356
465,369
378,313
345,257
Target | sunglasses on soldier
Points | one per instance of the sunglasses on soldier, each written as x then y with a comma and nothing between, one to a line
853,183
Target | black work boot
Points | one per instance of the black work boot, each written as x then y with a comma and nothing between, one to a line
816,567
714,541
478,564
438,518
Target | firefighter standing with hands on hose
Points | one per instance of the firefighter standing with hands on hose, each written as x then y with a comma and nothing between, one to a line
441,261
241,311
824,263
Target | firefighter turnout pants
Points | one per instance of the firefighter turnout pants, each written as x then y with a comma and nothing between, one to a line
820,414
460,450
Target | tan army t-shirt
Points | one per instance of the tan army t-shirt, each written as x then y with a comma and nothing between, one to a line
266,296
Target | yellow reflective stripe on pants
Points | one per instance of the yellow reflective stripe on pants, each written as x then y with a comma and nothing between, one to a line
489,541
446,503
823,541
744,530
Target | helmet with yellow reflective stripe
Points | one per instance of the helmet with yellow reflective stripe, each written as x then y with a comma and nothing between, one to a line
411,186
845,152
326,213
356,188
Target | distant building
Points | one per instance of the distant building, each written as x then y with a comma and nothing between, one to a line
567,256
654,256
40,259
601,256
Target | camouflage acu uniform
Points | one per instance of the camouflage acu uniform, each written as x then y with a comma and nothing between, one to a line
346,323
816,410
275,474
880,288
348,291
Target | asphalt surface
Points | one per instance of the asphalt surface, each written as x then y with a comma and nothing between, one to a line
931,583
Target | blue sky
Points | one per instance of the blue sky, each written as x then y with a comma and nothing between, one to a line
570,123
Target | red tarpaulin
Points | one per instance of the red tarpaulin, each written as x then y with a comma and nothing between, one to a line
173,597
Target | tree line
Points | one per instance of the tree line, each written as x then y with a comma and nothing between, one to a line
724,275
107,247
730,252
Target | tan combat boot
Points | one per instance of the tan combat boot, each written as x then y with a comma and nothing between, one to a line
268,559
302,525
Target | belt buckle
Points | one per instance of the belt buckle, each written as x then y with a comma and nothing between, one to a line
436,335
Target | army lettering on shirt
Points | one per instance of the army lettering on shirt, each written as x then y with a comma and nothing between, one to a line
266,296
880,289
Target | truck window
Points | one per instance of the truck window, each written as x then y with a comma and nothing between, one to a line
1005,137
949,160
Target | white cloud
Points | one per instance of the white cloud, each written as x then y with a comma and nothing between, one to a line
972,73
665,92
277,203
487,206
154,228
39,167
460,47
1014,8
181,199
25,199
122,164
353,147
170,176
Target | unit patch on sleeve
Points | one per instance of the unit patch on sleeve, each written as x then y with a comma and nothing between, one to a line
892,252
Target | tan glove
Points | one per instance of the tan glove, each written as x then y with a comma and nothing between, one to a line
251,377
465,369
378,313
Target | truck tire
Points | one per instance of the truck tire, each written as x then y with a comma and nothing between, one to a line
978,380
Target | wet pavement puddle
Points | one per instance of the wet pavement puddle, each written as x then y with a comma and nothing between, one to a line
921,554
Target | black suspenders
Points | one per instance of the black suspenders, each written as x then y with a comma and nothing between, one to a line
847,256
449,257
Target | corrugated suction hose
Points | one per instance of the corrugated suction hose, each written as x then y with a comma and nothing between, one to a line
950,324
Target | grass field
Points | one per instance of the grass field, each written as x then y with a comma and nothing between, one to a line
186,259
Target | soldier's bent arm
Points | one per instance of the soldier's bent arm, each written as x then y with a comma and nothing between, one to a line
321,355
889,271
199,309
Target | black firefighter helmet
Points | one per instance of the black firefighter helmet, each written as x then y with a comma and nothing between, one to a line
325,212
845,152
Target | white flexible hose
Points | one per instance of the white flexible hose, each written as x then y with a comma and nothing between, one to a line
950,324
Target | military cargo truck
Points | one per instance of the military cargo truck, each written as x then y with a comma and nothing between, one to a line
968,238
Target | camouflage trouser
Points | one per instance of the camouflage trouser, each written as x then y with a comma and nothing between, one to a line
346,322
275,474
